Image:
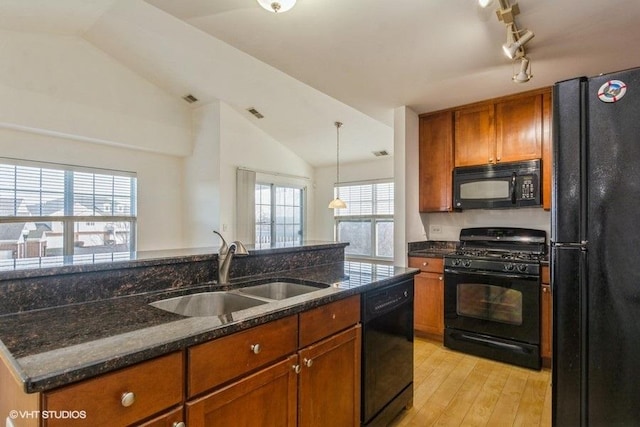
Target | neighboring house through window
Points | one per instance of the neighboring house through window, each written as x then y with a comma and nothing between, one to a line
367,221
52,210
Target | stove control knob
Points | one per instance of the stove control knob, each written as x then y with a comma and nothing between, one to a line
466,262
509,266
456,261
522,268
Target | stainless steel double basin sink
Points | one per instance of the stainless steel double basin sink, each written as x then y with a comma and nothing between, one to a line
221,303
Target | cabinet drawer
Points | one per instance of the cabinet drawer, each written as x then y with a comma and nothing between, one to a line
156,385
221,360
431,265
328,319
170,419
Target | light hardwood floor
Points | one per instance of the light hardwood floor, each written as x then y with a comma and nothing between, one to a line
456,389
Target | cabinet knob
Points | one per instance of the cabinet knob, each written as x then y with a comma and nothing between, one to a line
127,399
308,362
490,159
256,349
545,290
297,369
178,424
497,159
424,264
440,278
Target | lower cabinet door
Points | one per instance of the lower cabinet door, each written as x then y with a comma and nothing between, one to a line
329,387
265,398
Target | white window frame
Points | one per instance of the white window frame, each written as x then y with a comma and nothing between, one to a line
373,218
303,207
68,219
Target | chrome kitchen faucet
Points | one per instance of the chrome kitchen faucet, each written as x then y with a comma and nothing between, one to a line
225,255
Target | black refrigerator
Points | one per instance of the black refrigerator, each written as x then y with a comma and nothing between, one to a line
595,251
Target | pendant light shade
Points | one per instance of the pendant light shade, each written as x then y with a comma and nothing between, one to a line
277,6
337,203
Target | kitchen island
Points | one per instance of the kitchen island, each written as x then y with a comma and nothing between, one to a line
48,348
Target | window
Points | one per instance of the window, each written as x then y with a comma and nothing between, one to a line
279,213
367,221
51,210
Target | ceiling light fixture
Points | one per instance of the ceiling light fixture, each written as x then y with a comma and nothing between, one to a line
485,3
514,47
524,75
337,203
277,6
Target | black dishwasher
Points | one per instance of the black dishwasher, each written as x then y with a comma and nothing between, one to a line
387,353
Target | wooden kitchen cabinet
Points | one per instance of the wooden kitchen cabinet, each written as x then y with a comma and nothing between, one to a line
546,321
436,162
318,380
215,362
122,397
475,135
329,383
507,129
265,398
428,317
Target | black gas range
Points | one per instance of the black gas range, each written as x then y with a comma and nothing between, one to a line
492,294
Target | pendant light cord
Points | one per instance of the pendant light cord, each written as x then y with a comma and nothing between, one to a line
338,124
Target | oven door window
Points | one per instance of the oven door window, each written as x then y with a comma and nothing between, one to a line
485,190
488,302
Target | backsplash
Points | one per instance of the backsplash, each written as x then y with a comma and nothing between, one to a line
450,224
24,290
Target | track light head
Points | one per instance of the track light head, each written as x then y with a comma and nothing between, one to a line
524,74
514,49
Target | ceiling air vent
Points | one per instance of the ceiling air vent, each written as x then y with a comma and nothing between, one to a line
381,153
190,98
255,113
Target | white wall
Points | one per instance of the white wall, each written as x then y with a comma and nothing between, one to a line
63,100
245,145
63,85
378,168
407,221
451,223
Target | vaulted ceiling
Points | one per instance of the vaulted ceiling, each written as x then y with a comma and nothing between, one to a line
327,60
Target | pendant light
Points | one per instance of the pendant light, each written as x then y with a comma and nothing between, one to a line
337,203
277,6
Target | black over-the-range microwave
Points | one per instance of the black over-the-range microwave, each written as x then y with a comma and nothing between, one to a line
503,185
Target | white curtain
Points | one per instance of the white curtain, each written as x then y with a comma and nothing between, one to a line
245,206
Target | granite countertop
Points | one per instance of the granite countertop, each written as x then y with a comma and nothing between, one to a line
48,348
431,248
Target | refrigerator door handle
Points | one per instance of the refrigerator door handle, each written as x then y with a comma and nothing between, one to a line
513,188
582,245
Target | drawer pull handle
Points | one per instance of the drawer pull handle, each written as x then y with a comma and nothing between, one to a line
127,399
296,369
178,424
256,348
333,316
308,362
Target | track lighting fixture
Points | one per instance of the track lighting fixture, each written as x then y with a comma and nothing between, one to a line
516,39
524,74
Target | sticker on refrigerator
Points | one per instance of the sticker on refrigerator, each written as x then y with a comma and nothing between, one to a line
612,91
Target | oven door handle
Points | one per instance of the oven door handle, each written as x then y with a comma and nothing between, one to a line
491,274
513,188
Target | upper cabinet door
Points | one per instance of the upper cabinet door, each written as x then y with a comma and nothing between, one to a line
519,129
436,162
475,135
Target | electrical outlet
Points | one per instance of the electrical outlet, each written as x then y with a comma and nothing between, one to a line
435,229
